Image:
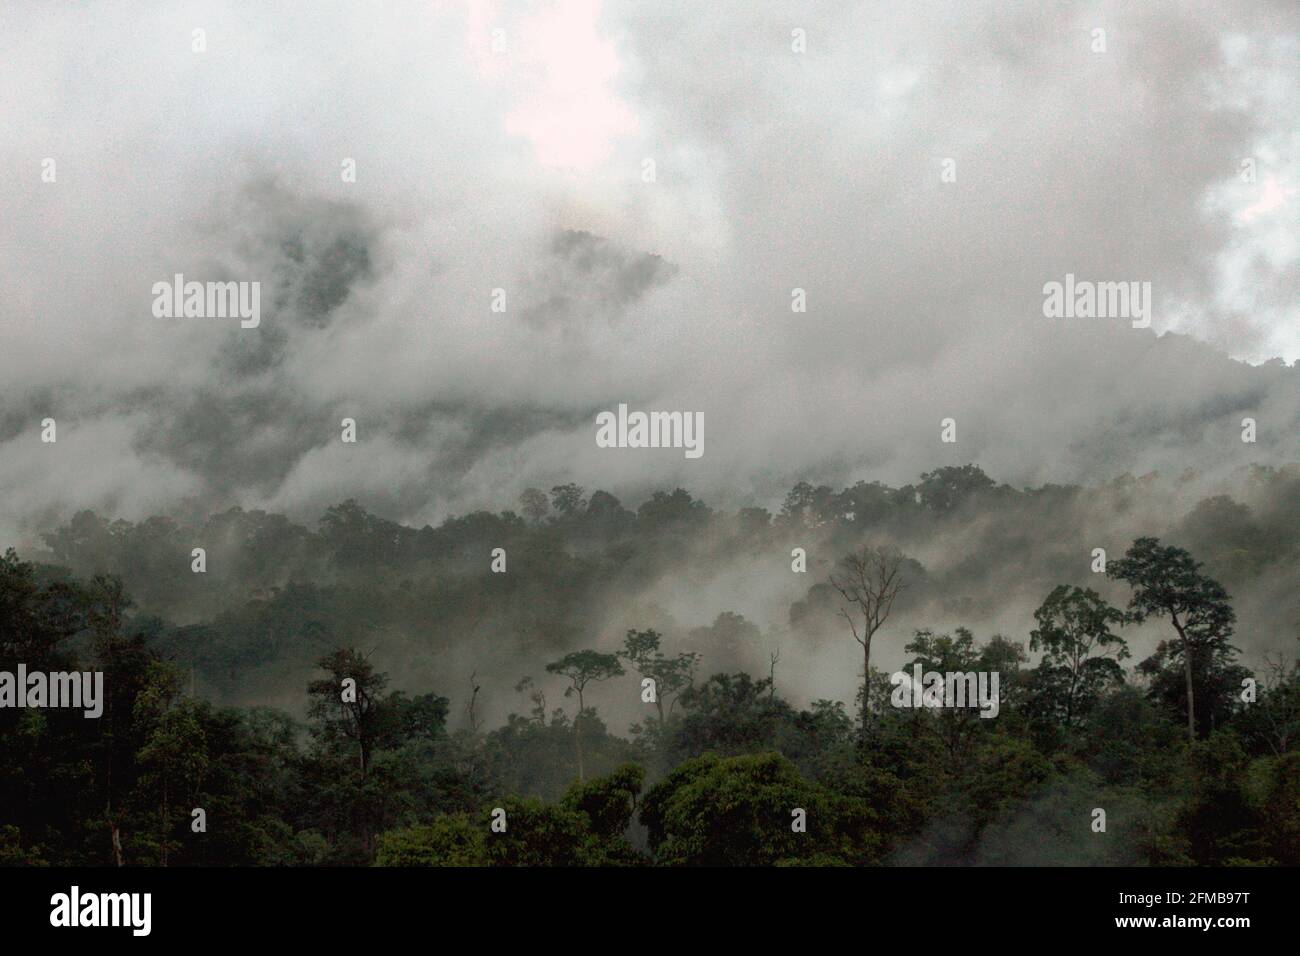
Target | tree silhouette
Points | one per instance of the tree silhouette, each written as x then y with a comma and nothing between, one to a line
869,580
582,667
1167,582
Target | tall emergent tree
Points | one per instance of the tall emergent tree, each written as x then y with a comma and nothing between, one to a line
582,667
869,580
174,756
348,710
1074,634
1167,582
534,504
671,675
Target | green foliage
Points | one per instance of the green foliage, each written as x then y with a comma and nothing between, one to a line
1276,803
608,802
1167,582
582,667
455,840
945,489
1074,633
671,675
585,829
383,779
738,811
14,853
568,499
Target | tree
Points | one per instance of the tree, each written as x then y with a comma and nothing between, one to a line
1073,624
174,754
945,654
1215,675
869,580
865,505
568,499
1167,582
359,540
1273,723
1281,797
945,489
728,642
582,667
1217,819
124,662
403,719
534,505
671,675
740,811
677,511
586,828
542,834
354,715
34,620
807,506
608,802
605,507
450,840
733,714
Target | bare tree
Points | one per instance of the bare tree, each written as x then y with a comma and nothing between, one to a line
869,580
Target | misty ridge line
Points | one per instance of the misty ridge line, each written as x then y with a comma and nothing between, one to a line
982,551
206,448
325,221
802,514
198,442
942,494
913,304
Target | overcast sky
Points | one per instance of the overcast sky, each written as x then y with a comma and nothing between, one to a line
524,169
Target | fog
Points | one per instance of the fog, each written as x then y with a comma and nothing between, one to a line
524,169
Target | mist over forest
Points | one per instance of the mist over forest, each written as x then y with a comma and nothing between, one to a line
368,584
469,640
582,568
